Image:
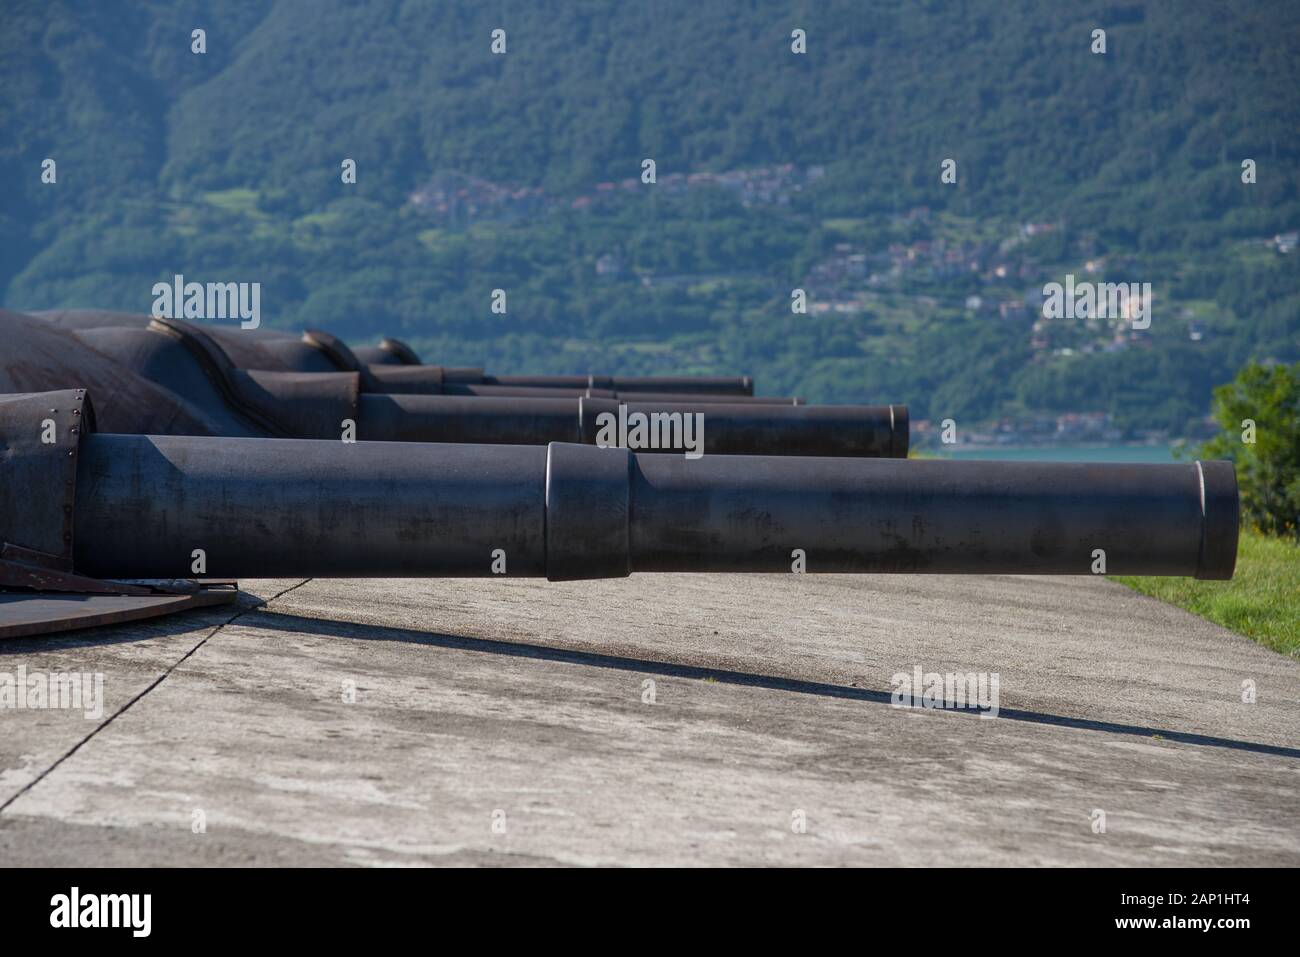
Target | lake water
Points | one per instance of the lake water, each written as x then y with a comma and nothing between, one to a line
1067,453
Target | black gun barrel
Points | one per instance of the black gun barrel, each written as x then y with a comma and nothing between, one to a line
146,505
394,352
346,360
741,385
447,387
660,426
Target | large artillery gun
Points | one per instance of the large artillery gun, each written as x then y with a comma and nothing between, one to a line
195,467
107,514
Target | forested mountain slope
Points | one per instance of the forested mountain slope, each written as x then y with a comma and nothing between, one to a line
225,166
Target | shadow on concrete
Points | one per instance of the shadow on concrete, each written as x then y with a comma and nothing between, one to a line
515,649
143,629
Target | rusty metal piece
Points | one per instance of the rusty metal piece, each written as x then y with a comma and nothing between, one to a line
25,614
22,568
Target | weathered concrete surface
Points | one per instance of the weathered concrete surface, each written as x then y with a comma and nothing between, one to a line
771,700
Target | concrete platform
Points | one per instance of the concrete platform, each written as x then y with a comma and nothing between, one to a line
510,722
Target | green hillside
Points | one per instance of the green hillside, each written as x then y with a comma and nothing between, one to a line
226,165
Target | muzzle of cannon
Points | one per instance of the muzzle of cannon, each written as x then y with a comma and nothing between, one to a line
143,507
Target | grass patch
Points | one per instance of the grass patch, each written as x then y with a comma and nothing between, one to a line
431,239
644,348
844,225
240,201
316,221
1261,602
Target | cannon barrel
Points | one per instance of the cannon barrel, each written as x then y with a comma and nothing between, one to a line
699,385
273,507
560,392
664,426
375,374
694,397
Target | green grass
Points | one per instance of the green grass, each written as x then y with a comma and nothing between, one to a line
432,239
843,225
242,201
1261,602
316,220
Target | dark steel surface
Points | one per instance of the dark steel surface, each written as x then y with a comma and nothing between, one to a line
637,396
186,374
277,506
884,515
298,404
701,385
268,349
271,508
393,352
375,356
37,356
319,351
404,353
208,393
77,319
558,392
40,440
727,429
830,430
446,418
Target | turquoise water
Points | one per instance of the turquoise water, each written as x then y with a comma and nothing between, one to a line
1068,453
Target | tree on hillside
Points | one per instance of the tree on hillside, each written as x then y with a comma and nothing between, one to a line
1259,412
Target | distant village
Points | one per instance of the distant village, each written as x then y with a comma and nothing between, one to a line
845,283
848,281
851,280
456,199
